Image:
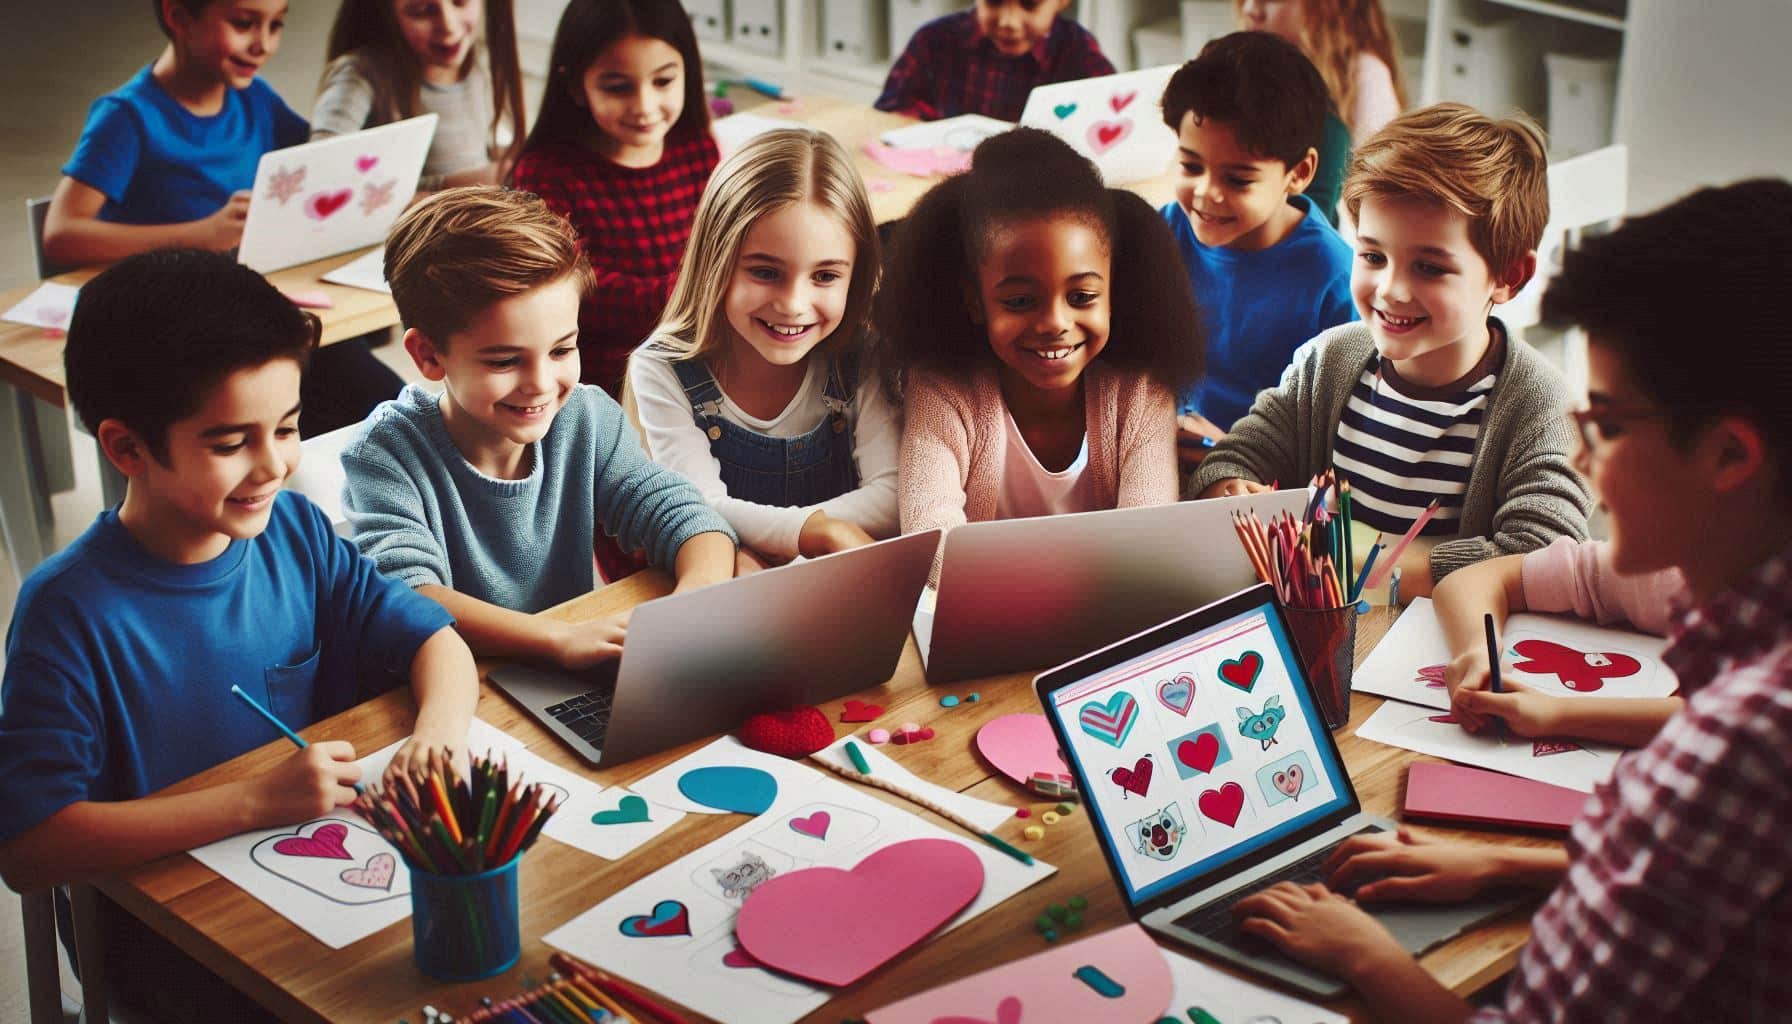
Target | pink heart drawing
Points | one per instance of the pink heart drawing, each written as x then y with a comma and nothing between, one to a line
1544,748
1199,753
1105,135
814,826
1007,1012
1289,781
1177,694
375,874
327,842
811,922
320,205
1223,804
739,958
1120,100
366,163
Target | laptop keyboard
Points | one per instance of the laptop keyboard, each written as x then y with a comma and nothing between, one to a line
1215,920
587,716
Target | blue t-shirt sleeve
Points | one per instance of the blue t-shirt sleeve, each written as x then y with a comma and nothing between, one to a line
290,128
110,149
50,749
1336,306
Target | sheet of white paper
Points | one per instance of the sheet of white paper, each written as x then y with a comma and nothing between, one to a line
573,823
987,815
1234,1001
366,271
50,305
1568,763
1563,657
334,876
662,786
709,884
962,133
733,131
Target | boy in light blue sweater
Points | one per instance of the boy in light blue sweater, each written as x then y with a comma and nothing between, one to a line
487,499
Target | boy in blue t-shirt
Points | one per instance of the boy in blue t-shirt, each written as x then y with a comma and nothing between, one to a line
1268,270
124,646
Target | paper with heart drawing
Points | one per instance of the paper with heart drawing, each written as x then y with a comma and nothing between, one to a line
326,875
623,828
662,788
987,815
962,133
1114,975
49,305
673,930
1231,999
1560,762
1560,656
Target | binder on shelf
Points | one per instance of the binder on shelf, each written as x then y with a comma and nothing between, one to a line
908,15
709,19
759,26
852,31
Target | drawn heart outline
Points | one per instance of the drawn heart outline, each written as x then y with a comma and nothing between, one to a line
375,874
1243,670
1177,694
1223,804
669,917
1136,779
328,842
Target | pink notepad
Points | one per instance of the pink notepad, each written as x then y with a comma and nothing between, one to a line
1454,792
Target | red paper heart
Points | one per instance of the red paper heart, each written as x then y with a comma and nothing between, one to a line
1136,779
327,842
1223,804
1199,753
812,922
321,204
1242,672
859,711
798,732
738,957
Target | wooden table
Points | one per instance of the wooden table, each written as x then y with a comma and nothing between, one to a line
31,372
374,980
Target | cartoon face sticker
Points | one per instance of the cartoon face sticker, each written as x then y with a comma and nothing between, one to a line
1262,725
1158,836
740,880
1286,779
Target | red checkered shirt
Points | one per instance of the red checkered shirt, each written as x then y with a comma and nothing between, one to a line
633,223
1676,905
950,68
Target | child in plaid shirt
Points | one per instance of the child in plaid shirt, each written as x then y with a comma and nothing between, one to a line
622,149
987,59
1673,899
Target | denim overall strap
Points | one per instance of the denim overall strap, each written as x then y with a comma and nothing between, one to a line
785,471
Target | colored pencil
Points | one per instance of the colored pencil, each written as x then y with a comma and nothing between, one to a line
1400,548
615,987
1356,591
274,720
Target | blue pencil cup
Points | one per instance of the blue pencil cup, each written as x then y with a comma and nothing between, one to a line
465,927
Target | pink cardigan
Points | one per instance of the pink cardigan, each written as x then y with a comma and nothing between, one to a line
953,441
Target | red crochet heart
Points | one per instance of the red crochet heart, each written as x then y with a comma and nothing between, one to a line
797,732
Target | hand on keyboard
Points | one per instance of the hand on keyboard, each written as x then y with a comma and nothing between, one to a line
1402,867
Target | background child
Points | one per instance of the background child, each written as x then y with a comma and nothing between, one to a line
1351,44
488,497
1268,270
167,160
123,648
1672,900
622,148
1043,323
751,385
987,59
1428,397
393,59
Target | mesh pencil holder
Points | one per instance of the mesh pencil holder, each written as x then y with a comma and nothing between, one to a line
1326,640
466,927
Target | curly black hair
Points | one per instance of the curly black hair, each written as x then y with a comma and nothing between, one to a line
1260,84
922,319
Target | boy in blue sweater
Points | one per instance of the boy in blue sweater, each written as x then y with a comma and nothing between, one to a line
488,498
123,648
1268,270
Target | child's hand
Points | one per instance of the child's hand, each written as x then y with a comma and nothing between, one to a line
1525,711
224,228
424,751
1404,868
583,644
822,534
306,783
1234,486
1318,927
1468,671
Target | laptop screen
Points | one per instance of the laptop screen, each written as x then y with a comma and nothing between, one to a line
1201,751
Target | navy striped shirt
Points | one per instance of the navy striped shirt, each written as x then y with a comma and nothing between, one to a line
1401,444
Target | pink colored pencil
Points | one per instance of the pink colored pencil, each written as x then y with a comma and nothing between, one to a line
1392,558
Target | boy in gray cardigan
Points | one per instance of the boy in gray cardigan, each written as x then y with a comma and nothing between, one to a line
487,498
1428,398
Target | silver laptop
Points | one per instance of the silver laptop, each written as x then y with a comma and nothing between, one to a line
697,664
1208,774
1018,594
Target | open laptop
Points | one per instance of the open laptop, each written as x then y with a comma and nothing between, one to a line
1115,120
696,664
1018,594
1208,774
333,195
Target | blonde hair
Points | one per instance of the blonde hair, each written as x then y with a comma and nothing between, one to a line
1332,33
768,173
1495,172
457,252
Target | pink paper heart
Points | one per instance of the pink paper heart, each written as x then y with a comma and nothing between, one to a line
327,842
739,958
320,205
815,825
375,874
366,163
1020,745
811,922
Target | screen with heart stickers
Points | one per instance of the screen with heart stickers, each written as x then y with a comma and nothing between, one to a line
1200,751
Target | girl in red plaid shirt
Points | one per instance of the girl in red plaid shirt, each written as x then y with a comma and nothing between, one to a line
622,149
